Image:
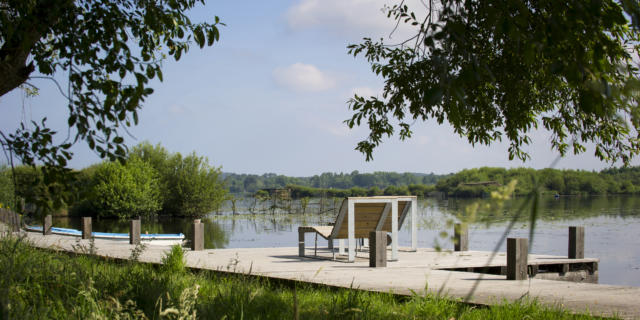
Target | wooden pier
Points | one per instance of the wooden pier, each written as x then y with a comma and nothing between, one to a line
413,273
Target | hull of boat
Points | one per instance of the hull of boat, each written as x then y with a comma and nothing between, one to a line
162,239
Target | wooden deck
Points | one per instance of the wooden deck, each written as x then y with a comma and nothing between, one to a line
425,269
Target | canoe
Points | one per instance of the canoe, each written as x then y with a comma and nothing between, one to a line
163,239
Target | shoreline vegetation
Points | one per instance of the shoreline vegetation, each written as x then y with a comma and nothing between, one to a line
156,183
468,183
151,182
54,285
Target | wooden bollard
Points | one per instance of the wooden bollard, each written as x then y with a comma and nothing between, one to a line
461,237
134,232
517,254
86,227
47,225
197,240
377,249
301,232
11,219
576,243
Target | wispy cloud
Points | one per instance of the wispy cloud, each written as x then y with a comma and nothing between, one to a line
353,17
303,77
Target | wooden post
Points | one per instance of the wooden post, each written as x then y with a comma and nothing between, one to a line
461,237
11,219
86,227
377,249
300,242
134,232
197,242
576,242
47,225
16,221
517,253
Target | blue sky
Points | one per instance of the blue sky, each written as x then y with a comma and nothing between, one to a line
271,97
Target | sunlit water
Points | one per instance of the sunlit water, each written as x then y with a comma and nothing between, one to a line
612,228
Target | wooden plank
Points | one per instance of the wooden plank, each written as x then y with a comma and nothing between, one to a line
368,218
370,205
366,224
376,210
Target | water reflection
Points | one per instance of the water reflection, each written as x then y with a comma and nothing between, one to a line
550,208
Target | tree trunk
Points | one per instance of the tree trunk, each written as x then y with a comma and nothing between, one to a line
30,25
13,65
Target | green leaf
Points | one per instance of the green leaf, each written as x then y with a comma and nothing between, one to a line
150,72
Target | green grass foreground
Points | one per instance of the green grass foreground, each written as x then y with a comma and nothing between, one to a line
37,283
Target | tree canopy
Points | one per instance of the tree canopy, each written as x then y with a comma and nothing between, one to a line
499,69
107,51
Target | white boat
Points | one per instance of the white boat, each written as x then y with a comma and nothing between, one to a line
162,239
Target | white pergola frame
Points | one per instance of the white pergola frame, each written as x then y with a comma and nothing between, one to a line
391,205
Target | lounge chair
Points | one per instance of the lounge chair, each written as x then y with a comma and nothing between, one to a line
358,216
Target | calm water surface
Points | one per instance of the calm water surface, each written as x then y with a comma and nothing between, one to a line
612,227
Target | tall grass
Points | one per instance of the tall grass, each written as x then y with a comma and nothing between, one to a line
37,283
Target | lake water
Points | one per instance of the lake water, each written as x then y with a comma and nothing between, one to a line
612,227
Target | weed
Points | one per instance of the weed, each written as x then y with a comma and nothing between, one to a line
81,248
173,262
137,251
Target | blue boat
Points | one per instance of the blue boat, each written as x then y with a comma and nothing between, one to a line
164,239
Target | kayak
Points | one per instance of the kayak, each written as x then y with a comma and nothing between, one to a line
163,239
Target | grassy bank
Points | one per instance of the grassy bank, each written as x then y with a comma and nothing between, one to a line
37,283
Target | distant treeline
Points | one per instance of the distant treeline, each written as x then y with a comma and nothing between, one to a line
154,181
481,181
355,181
466,183
421,190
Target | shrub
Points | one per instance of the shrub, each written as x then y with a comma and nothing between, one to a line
125,191
7,199
189,186
195,188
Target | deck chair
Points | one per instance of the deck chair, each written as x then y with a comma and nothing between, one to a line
358,216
